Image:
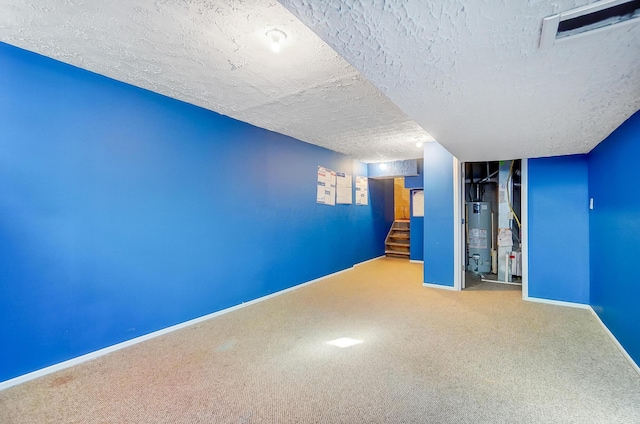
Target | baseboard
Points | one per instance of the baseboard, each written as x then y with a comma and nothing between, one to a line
101,352
438,286
415,261
369,260
557,302
616,342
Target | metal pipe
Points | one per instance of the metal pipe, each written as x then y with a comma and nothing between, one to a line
487,178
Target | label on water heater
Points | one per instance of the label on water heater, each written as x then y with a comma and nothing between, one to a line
478,238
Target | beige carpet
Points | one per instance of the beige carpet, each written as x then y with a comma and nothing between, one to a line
427,356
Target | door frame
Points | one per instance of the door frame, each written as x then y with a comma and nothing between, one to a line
524,221
459,224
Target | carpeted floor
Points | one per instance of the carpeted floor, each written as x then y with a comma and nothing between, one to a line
427,356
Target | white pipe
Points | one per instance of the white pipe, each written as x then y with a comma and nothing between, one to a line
506,268
493,237
494,262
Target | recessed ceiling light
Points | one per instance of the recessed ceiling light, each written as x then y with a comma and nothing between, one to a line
344,342
276,37
419,144
383,166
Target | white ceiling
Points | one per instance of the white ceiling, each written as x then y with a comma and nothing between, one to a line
469,72
215,54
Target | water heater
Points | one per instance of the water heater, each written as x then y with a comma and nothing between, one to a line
479,240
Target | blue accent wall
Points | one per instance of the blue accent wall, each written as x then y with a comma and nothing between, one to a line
559,228
416,243
381,195
417,222
615,234
438,215
123,212
416,181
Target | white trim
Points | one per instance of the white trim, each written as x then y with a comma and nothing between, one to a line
549,30
457,220
101,352
557,302
438,286
616,342
415,261
363,262
524,222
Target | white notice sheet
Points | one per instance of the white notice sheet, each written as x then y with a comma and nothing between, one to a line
362,191
344,188
418,203
326,186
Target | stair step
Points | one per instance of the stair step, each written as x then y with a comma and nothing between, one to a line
397,241
390,243
395,252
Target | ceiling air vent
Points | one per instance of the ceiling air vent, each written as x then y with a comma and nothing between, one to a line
596,16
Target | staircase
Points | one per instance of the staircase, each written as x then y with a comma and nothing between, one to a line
397,243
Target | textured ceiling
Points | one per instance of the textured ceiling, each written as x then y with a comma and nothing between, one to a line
471,73
215,54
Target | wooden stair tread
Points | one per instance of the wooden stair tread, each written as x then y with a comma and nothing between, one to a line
399,236
395,252
397,241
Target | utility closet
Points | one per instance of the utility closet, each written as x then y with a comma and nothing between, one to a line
492,217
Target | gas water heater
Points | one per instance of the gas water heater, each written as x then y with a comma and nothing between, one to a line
479,237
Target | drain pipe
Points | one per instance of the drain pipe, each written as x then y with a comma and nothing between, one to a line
506,267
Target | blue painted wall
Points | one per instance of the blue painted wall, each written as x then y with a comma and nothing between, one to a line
559,228
416,243
417,223
123,212
381,193
615,234
438,215
416,181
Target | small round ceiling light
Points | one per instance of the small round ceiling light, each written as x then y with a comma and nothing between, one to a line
276,37
383,166
419,144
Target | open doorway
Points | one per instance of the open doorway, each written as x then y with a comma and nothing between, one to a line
401,202
492,232
398,241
